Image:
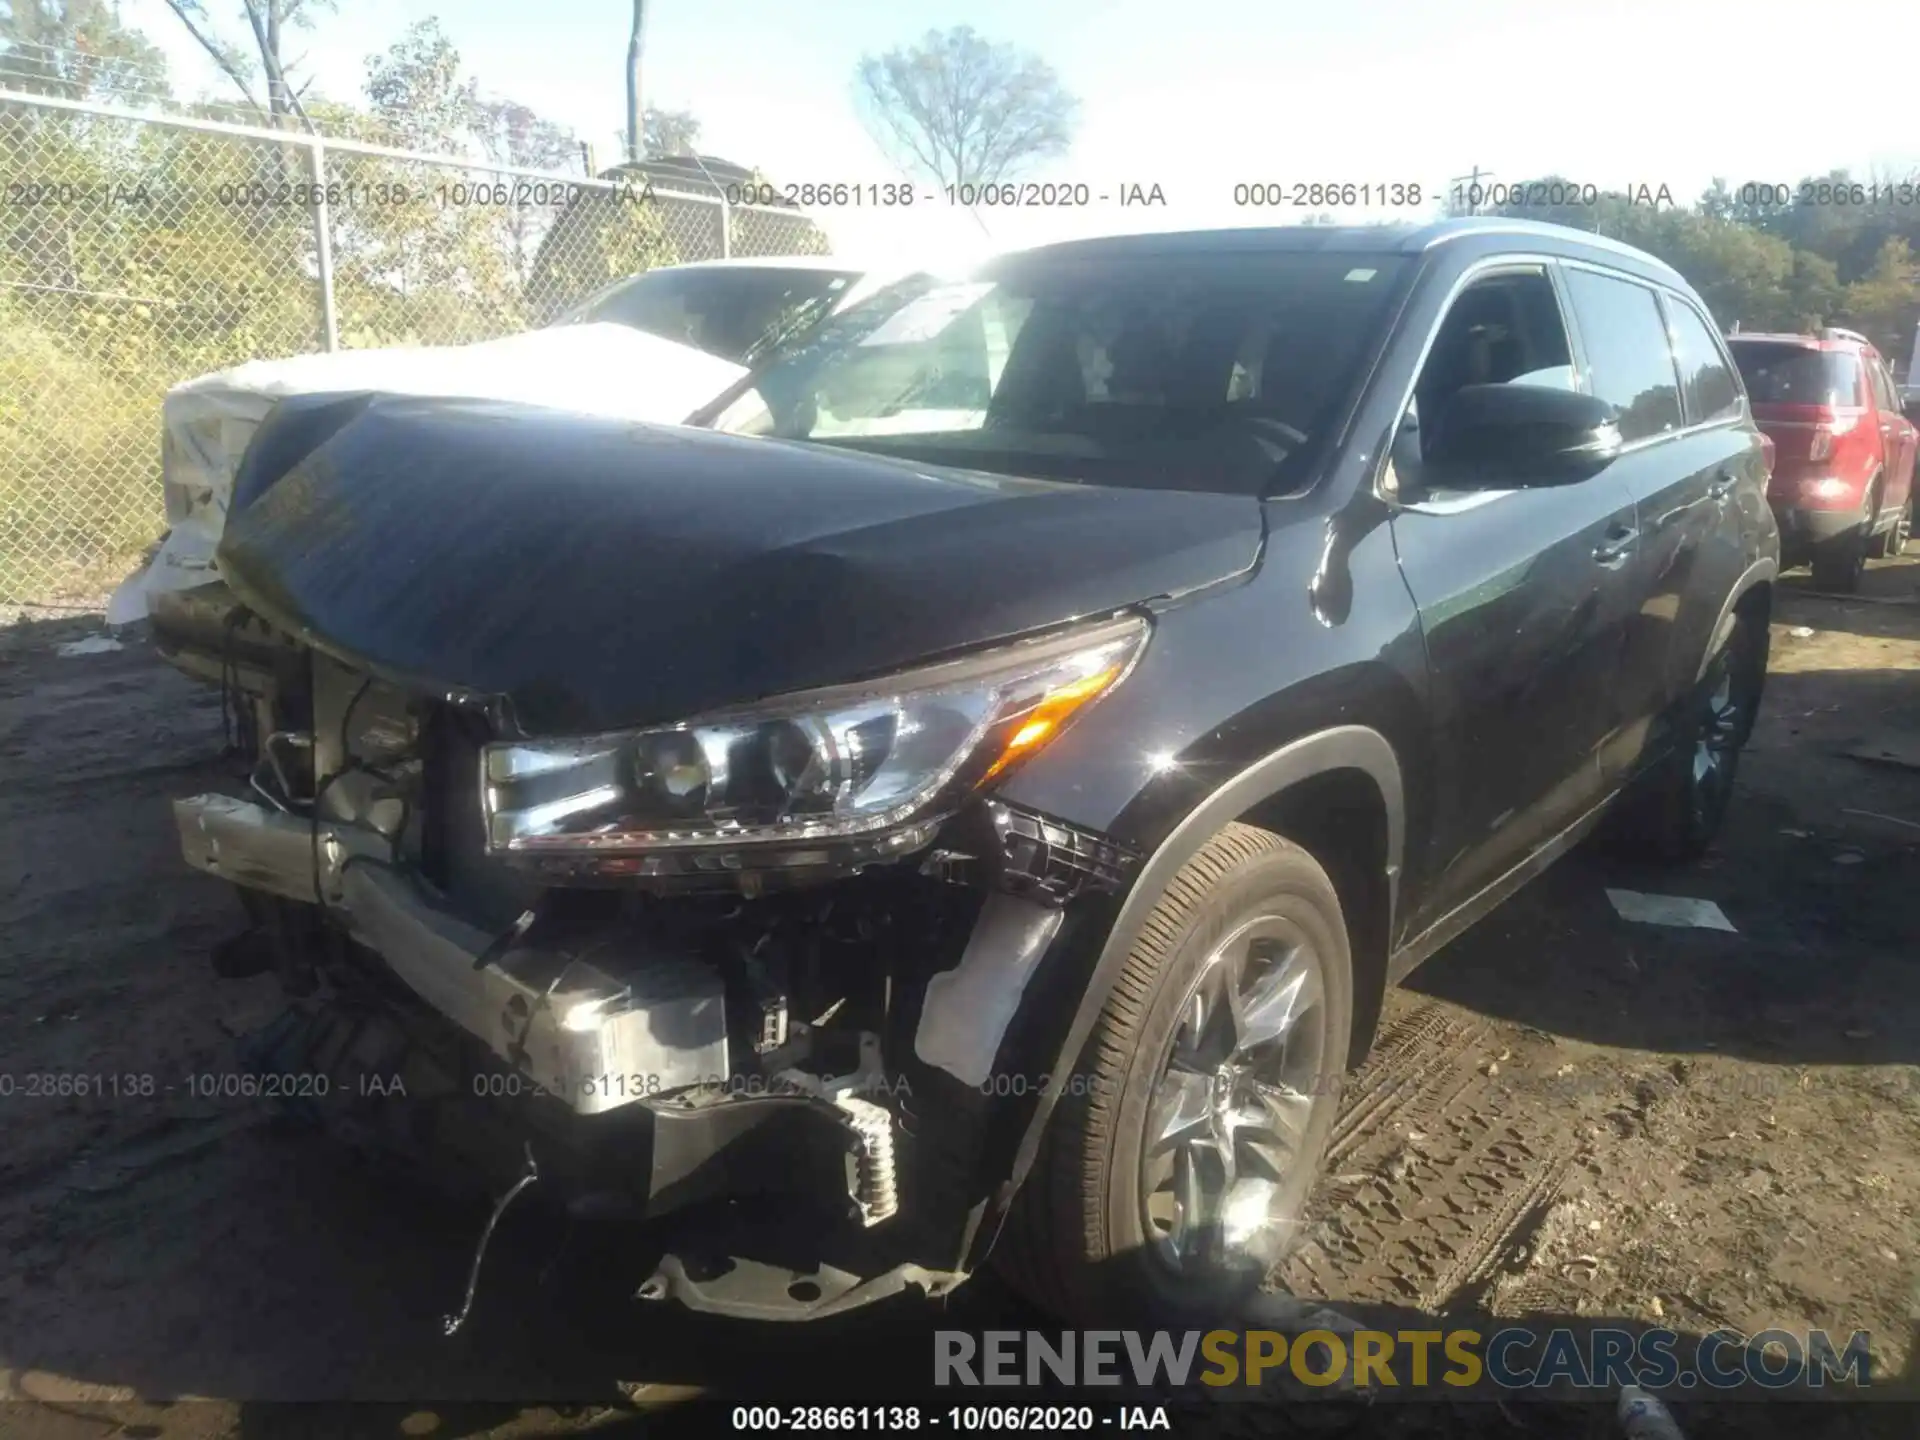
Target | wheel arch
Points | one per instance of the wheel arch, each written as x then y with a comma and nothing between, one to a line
1304,783
1751,595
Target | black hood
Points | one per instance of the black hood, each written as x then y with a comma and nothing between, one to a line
601,573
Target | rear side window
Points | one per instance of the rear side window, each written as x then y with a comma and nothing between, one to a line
1706,381
1630,361
1787,374
1884,394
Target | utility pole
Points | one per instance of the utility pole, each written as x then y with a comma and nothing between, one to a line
1472,182
635,46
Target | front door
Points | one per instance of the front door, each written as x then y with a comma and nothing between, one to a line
1523,596
1899,440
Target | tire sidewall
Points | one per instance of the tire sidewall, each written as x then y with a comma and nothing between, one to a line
1745,662
1287,882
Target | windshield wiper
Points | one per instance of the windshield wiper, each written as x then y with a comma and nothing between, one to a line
779,332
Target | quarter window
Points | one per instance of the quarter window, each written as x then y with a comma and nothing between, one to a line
1706,380
1630,362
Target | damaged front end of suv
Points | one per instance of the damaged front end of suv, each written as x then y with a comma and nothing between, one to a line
634,800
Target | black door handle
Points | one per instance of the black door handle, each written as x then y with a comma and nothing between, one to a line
1617,546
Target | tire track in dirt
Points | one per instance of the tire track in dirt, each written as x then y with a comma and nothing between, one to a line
1432,1180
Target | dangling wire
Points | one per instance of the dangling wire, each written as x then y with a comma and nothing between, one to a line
230,713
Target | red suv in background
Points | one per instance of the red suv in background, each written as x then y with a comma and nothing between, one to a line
1842,485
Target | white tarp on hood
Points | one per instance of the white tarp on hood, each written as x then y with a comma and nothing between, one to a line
596,369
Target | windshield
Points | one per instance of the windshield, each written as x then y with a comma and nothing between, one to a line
735,312
1193,371
1797,374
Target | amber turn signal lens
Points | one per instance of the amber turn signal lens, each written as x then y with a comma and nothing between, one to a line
1049,717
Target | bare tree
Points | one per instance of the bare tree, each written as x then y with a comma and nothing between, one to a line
671,132
268,23
964,110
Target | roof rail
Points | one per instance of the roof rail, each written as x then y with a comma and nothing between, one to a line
1834,332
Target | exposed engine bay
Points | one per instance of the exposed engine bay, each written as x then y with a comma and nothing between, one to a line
807,1052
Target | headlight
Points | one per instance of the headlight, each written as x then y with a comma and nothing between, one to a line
878,763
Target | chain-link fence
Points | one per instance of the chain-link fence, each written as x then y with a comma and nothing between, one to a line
138,250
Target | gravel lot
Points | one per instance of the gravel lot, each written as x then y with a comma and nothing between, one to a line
1570,1115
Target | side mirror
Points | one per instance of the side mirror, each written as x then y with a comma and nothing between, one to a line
1517,436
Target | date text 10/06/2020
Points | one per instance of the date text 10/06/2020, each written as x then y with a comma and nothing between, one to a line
498,1084
1040,1419
1000,1085
111,1085
1004,195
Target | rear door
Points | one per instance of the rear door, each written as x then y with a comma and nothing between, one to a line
1524,597
1695,471
1898,438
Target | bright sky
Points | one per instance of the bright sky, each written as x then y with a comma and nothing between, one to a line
1197,97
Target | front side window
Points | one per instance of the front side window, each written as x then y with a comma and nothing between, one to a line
1505,329
1629,359
1225,372
1706,381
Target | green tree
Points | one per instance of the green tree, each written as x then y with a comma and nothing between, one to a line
436,266
670,132
1765,256
417,91
512,134
1813,293
78,49
1884,303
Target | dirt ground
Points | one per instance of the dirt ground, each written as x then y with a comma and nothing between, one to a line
1569,1115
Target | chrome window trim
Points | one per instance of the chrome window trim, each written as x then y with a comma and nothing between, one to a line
1455,502
1535,229
1699,312
1527,261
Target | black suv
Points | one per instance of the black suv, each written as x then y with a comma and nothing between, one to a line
979,815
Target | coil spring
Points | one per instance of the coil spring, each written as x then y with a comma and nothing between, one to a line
875,1184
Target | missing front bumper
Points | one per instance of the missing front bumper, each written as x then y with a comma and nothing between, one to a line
598,1034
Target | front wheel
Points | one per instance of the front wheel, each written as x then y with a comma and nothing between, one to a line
1177,1165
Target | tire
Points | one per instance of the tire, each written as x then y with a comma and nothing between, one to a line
1893,541
1083,1240
1839,562
1674,812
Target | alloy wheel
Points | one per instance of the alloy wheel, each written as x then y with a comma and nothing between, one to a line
1717,737
1228,1119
